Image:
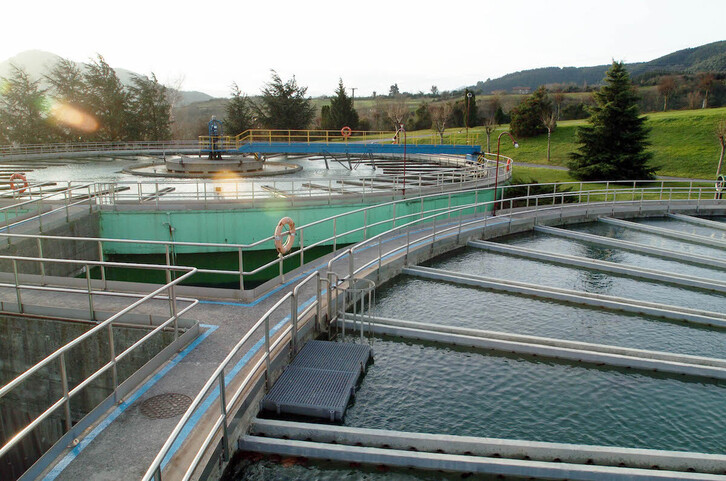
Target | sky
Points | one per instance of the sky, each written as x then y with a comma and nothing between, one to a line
206,46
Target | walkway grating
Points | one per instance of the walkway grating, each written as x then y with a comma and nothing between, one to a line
320,381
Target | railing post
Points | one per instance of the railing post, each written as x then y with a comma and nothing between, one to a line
103,267
172,309
223,408
302,247
293,318
241,270
17,286
351,263
92,315
42,264
64,386
335,234
267,352
112,355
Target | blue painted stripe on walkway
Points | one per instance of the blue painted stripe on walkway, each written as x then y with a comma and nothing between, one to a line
207,403
58,468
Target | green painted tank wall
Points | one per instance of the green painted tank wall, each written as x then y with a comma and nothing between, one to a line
249,225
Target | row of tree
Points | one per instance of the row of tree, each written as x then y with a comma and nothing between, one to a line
72,104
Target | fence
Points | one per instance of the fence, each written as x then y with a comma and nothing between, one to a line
337,285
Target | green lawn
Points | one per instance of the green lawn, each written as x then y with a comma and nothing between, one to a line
683,143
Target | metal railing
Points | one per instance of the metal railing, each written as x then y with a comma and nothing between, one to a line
40,203
330,236
271,136
338,285
273,337
454,172
118,146
326,232
59,356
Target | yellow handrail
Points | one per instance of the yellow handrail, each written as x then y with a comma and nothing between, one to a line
270,136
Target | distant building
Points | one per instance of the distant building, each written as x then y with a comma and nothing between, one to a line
521,90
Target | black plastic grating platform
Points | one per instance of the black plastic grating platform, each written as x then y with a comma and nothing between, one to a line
320,381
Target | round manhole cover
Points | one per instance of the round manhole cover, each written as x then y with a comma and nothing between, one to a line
165,405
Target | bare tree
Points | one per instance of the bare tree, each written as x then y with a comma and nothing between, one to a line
666,87
705,83
439,115
721,135
174,97
559,97
549,119
694,98
397,110
490,123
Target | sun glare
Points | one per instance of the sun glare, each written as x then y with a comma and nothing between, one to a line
66,115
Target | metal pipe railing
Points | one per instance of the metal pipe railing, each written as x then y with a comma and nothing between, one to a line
329,234
336,283
288,325
59,355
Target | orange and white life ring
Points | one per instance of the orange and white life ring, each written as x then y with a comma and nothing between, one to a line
346,131
23,182
284,247
509,165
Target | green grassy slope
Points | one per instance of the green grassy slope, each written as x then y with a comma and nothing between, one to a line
683,143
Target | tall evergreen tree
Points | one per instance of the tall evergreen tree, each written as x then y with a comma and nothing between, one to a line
68,89
149,104
612,146
342,114
23,109
107,100
283,105
238,114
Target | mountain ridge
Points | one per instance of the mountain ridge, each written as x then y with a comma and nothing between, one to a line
710,57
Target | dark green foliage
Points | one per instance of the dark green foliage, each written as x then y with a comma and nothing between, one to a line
612,146
238,114
422,118
341,112
150,109
393,90
107,100
500,117
527,116
574,111
284,106
23,110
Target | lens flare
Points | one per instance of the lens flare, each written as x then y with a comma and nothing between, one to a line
72,117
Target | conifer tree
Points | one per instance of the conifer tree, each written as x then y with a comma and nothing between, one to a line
612,146
107,99
283,105
151,109
23,109
238,115
342,114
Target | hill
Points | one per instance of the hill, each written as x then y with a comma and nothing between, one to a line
706,58
38,62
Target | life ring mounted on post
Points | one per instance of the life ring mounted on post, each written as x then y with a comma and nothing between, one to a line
509,165
23,182
346,131
284,246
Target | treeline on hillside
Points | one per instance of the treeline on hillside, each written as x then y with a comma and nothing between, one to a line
82,105
705,58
